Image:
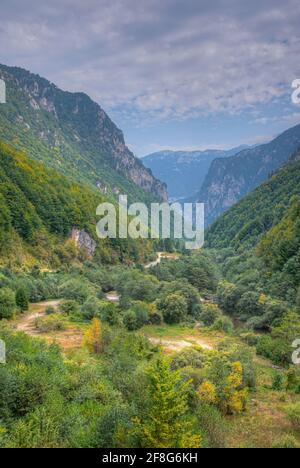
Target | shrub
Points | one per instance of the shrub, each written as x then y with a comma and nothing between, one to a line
110,313
278,382
223,324
22,299
250,304
69,307
74,289
91,308
293,412
129,320
190,357
286,442
48,324
228,296
174,308
49,310
141,311
213,424
7,303
155,316
209,314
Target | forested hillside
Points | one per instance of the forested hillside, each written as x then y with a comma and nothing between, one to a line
242,226
71,133
257,244
40,208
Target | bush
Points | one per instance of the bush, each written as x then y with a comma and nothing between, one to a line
228,296
110,313
286,442
293,412
22,299
52,323
250,304
209,314
7,303
155,316
278,382
174,308
74,289
213,424
223,324
49,310
141,311
129,320
91,308
191,357
69,307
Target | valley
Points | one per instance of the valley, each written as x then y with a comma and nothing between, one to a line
125,343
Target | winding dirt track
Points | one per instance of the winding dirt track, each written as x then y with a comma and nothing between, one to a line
26,322
69,339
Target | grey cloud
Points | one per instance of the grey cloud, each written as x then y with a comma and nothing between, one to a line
164,59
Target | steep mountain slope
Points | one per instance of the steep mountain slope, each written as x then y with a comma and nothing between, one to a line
44,216
184,171
70,132
243,225
230,179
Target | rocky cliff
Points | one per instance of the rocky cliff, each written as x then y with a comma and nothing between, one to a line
72,133
230,179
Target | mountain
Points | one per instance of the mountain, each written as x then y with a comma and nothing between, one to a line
48,218
184,171
245,224
228,180
73,134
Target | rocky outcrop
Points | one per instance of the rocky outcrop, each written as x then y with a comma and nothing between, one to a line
84,241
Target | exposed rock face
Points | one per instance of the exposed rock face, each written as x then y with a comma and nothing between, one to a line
84,137
83,241
230,179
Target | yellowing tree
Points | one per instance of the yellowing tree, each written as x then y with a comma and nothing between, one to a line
93,339
207,393
234,394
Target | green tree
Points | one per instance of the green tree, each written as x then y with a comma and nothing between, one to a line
7,303
22,299
166,424
174,308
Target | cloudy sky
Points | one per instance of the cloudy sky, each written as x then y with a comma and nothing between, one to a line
176,74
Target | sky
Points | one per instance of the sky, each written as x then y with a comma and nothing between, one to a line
172,74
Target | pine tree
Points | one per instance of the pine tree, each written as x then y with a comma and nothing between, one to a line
22,299
167,424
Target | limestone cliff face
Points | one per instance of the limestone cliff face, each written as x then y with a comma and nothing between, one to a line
230,179
80,135
83,241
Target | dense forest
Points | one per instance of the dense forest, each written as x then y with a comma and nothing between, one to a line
40,207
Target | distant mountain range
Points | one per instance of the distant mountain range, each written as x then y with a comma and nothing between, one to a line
73,134
230,179
184,171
